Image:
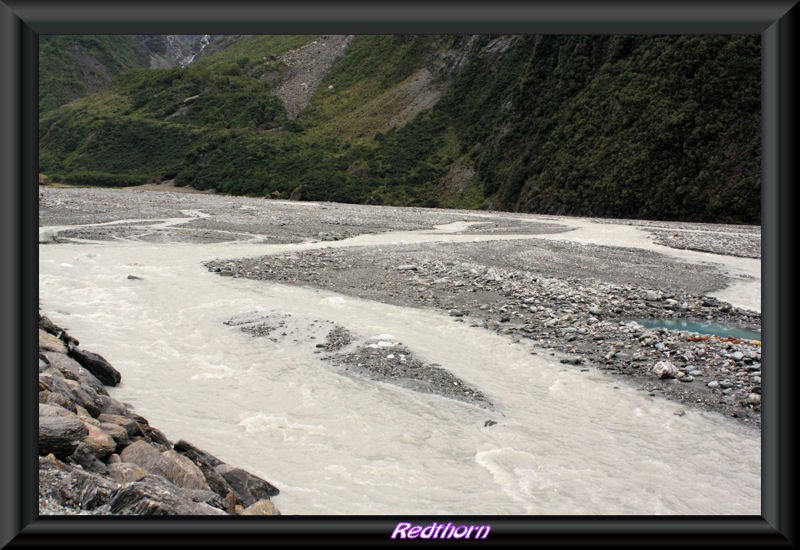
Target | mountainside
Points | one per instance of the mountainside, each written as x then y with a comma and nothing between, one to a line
659,127
72,66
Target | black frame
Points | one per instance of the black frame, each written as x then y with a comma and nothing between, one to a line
22,21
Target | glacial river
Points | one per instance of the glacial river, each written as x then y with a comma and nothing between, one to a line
566,442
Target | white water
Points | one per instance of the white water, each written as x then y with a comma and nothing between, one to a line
567,442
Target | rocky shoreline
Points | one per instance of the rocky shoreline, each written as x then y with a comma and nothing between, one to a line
98,457
579,305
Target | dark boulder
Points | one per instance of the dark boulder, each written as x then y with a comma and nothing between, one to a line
72,486
97,365
72,370
206,462
155,496
85,457
60,435
249,488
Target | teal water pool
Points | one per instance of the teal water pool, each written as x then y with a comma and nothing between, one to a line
701,327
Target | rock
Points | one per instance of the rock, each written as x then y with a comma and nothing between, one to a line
109,405
97,365
195,454
86,458
99,442
113,459
72,370
737,355
665,369
129,424
455,313
407,267
46,409
181,471
60,435
117,432
713,384
173,466
207,462
753,399
78,394
246,486
126,472
71,486
687,378
489,423
48,342
142,453
651,295
262,507
134,278
153,495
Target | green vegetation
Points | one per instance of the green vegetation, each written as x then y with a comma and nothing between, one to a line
663,127
71,66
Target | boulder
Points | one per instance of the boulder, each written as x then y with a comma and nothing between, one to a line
97,365
60,435
72,486
665,369
48,342
126,472
117,432
99,442
262,507
153,495
181,471
58,399
207,462
247,487
142,453
128,423
46,409
196,454
109,405
72,370
86,458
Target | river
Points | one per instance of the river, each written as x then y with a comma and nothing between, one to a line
565,442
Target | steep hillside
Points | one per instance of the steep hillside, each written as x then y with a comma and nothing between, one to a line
72,66
662,127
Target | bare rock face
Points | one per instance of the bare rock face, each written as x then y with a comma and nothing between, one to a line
60,435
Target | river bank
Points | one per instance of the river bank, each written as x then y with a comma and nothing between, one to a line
98,457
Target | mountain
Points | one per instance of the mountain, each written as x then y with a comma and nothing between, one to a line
72,66
657,127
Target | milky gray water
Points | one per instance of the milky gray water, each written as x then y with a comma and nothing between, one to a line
566,442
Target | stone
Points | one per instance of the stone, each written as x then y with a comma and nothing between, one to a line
86,458
97,365
455,313
129,424
48,342
109,405
126,472
142,453
72,370
246,486
713,384
153,495
99,442
407,267
753,399
46,409
181,471
665,369
60,435
72,486
207,462
117,432
262,507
